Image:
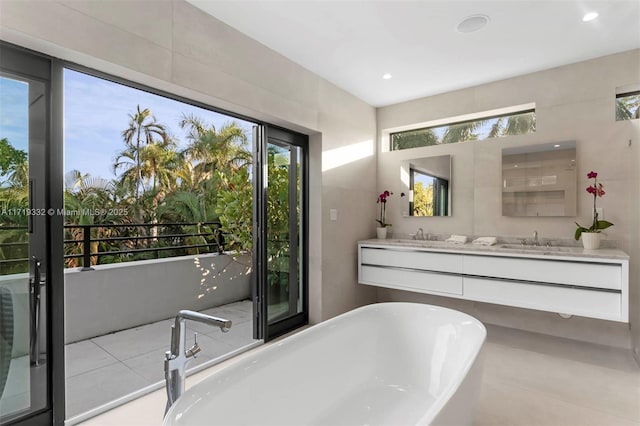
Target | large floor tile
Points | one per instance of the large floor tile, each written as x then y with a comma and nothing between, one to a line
601,388
136,341
602,355
91,389
510,405
85,356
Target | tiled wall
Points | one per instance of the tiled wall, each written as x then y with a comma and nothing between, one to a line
573,102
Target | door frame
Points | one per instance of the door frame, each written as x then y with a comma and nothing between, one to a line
262,137
49,71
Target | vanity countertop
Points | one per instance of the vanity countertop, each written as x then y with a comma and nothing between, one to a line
514,250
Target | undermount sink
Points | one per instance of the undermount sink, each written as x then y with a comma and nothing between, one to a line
535,248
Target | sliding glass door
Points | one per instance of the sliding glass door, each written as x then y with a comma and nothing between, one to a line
281,231
25,349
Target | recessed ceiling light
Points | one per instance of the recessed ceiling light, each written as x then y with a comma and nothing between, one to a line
556,146
515,165
589,16
387,76
472,23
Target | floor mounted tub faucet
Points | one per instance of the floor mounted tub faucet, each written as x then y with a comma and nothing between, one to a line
176,359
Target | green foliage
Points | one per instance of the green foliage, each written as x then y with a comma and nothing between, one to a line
423,200
13,197
413,139
515,124
155,183
597,226
235,210
10,157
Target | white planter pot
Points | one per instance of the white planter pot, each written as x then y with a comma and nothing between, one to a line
591,240
382,232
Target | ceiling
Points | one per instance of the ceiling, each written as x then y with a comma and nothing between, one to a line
353,43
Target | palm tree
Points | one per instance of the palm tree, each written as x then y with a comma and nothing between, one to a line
213,150
160,163
461,132
519,124
143,130
84,197
413,139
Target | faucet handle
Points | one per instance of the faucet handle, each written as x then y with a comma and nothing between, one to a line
195,349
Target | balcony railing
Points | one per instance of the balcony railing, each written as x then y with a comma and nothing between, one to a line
127,242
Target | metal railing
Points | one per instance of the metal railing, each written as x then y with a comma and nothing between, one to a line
128,240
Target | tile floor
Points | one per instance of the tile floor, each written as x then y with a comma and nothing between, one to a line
529,379
130,360
536,379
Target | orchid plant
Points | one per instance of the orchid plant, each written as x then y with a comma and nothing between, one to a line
597,190
382,200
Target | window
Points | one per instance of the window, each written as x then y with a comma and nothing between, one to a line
514,123
148,177
628,106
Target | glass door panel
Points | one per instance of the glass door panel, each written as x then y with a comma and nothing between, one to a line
23,336
283,281
283,224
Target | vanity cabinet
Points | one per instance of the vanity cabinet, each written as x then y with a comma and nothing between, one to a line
595,287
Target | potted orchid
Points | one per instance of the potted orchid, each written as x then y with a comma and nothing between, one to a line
591,235
382,200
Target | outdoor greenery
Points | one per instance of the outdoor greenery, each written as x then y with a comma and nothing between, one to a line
14,179
423,199
155,182
491,127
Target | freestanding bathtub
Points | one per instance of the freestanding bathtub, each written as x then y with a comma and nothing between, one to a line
387,363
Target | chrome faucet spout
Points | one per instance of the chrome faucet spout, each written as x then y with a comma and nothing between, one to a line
223,324
535,238
176,359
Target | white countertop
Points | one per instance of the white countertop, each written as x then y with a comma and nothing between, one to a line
509,250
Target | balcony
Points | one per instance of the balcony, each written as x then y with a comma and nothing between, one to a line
118,316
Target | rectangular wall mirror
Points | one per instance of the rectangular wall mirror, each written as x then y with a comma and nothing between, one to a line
426,182
539,180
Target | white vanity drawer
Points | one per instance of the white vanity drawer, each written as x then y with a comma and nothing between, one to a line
423,282
585,274
422,260
567,300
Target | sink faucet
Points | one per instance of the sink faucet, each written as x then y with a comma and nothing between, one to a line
419,234
535,238
176,359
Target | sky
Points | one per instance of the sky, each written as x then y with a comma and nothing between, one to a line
96,111
14,100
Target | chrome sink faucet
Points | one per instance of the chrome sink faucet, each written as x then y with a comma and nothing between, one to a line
176,359
535,238
419,234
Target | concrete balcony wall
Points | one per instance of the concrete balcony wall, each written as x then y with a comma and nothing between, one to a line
124,295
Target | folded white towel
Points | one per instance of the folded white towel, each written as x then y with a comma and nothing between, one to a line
486,241
457,239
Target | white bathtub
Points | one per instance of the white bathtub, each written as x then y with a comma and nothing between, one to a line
388,363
